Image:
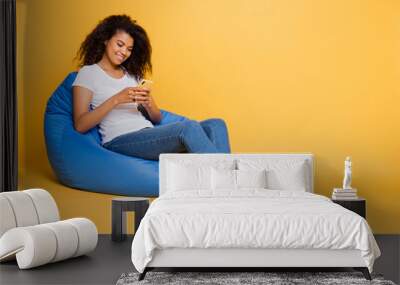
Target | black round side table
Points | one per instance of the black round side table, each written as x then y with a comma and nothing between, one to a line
120,206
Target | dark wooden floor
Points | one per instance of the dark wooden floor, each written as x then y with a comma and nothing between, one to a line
103,266
111,259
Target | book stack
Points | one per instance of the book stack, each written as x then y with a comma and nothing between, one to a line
344,194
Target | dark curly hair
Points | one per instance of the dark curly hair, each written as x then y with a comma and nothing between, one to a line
93,48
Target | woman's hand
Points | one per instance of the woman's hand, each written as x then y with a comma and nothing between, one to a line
128,95
143,96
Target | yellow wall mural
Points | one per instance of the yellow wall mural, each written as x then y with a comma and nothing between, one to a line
286,76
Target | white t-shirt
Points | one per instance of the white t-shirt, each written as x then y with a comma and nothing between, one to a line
124,118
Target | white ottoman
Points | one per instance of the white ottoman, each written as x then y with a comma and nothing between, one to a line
31,232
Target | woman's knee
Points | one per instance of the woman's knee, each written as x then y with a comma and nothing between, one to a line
191,124
214,123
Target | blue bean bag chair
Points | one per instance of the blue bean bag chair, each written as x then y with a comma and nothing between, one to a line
80,161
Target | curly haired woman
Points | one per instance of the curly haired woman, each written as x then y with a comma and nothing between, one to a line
115,57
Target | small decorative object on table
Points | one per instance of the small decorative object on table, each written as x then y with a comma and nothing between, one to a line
347,192
347,173
121,205
344,194
347,196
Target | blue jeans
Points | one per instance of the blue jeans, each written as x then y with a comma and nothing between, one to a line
209,136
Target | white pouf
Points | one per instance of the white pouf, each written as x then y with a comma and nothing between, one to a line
31,232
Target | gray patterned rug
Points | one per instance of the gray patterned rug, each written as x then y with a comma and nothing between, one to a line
243,278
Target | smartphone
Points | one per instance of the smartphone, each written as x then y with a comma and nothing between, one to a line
146,83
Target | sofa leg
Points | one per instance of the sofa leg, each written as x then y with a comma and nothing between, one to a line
143,274
364,271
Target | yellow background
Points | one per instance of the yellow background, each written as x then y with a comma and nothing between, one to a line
286,75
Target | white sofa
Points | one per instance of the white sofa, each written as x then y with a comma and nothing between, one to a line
31,231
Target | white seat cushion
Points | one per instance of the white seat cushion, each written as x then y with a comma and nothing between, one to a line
26,208
45,206
40,244
23,208
7,218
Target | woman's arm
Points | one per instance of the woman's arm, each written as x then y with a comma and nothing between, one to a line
84,119
150,105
